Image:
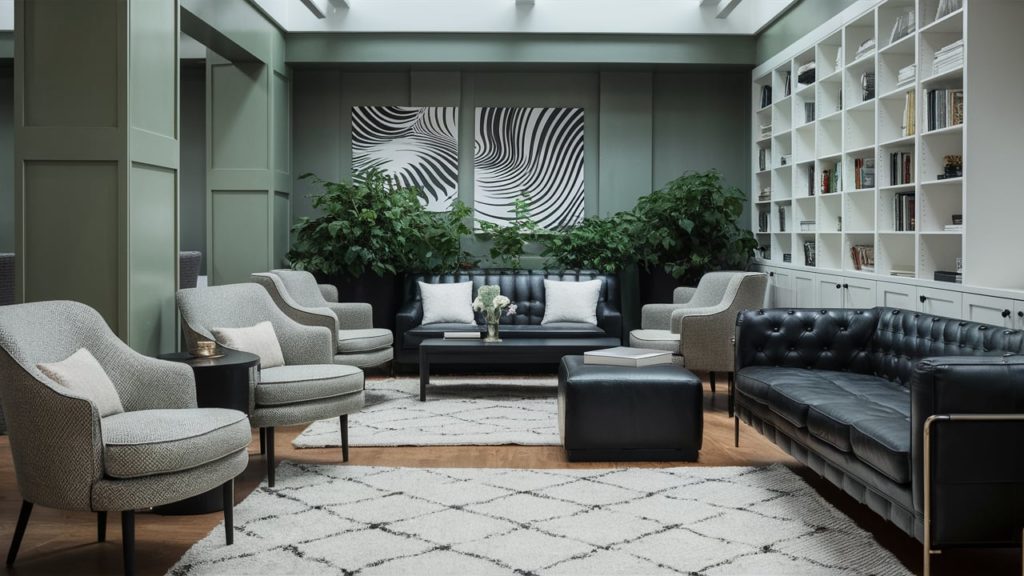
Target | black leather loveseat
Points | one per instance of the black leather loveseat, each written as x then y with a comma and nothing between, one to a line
526,290
848,392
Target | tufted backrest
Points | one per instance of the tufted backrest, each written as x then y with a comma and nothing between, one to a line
524,287
904,337
302,287
837,339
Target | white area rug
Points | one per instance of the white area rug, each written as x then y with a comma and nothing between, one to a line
479,410
330,519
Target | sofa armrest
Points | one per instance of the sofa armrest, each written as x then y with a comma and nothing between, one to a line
409,316
683,294
610,320
329,292
831,339
973,462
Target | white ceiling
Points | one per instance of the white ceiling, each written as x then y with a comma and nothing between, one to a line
537,17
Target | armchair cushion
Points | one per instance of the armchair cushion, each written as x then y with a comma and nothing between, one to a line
655,340
447,302
260,340
293,384
83,374
350,341
151,442
571,301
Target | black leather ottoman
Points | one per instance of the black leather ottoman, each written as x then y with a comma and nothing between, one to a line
620,413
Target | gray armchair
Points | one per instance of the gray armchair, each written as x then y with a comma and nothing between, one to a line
307,388
356,341
161,449
189,264
700,325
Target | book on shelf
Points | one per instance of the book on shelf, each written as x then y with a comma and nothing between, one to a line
867,86
765,194
957,218
947,7
904,212
625,356
764,223
949,57
901,168
766,130
807,225
948,276
805,73
904,25
953,228
863,256
909,124
766,96
782,218
808,112
863,173
809,253
945,108
787,88
830,179
461,335
902,272
764,159
810,180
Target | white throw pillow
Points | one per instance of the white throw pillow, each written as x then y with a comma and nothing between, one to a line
83,374
260,340
447,303
571,301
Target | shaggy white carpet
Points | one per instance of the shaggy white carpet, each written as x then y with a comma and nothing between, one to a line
459,410
331,519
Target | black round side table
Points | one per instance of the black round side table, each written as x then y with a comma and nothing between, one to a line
221,382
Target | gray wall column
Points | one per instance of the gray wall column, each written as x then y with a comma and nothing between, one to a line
96,160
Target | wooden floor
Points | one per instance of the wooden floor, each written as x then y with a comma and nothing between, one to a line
64,542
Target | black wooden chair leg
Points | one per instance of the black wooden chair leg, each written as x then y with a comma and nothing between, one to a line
101,526
344,437
711,376
263,440
737,420
229,511
128,541
732,393
19,531
270,456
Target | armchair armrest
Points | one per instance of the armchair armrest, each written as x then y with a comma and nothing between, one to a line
683,294
610,320
352,315
324,317
658,316
145,383
329,292
971,460
304,344
706,337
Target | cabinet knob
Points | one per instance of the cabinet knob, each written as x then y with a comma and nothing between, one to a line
1006,313
923,298
846,286
838,286
1020,314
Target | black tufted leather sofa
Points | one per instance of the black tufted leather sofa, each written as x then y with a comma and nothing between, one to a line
526,290
847,392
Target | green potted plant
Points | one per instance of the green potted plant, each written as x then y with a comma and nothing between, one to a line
369,232
509,241
604,244
688,228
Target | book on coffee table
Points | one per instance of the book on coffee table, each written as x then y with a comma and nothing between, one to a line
625,356
461,335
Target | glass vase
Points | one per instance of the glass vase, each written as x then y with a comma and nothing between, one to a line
492,332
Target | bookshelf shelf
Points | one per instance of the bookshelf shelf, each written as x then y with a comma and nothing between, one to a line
901,141
952,22
947,77
898,188
897,93
943,182
955,129
904,45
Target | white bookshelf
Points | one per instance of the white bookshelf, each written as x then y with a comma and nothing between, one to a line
849,126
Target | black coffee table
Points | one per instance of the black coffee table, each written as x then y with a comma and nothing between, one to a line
509,350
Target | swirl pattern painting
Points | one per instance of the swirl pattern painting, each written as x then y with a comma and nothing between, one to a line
534,150
418,146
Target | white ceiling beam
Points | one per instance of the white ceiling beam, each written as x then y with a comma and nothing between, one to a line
709,2
321,8
726,8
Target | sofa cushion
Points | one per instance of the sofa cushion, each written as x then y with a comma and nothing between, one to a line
884,444
150,442
363,340
420,333
292,384
655,340
831,422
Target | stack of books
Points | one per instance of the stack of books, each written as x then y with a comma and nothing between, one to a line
766,96
947,276
945,108
805,73
866,47
949,57
807,225
906,75
766,194
902,272
953,228
864,173
901,168
623,356
910,114
903,211
863,257
766,130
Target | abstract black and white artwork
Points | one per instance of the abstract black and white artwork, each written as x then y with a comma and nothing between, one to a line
418,146
534,150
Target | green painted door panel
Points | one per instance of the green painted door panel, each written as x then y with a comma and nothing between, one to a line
239,224
153,258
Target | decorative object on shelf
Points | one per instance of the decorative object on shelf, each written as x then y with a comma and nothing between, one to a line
805,74
782,218
205,348
809,253
491,303
539,151
867,86
952,166
787,256
417,146
959,264
839,223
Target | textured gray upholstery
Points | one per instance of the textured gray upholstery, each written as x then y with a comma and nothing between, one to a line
6,279
309,347
149,442
705,325
356,342
329,292
189,264
55,435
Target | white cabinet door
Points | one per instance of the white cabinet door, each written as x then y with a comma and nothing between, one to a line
940,302
858,293
780,281
829,290
989,310
891,295
805,290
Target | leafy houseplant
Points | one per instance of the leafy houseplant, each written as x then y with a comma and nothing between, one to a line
508,241
689,227
375,225
603,244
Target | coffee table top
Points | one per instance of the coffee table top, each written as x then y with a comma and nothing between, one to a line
521,343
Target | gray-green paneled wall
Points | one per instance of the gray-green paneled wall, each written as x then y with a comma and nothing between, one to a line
642,127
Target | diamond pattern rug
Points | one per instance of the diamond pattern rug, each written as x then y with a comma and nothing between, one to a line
331,519
459,411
